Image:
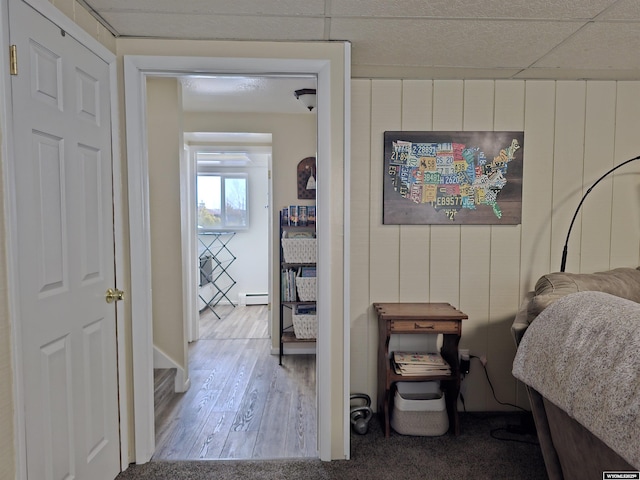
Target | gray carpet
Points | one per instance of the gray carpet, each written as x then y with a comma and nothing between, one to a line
475,454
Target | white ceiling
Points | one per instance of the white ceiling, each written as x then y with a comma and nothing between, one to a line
219,93
414,38
453,39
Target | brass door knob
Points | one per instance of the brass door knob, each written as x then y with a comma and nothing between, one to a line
114,295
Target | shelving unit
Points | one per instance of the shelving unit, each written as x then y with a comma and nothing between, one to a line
289,298
215,259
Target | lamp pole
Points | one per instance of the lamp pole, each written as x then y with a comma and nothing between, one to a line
566,243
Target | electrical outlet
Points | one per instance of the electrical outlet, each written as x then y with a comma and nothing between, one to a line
464,367
465,363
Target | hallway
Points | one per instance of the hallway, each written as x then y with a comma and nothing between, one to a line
241,404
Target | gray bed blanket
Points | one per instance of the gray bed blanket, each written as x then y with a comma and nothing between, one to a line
583,354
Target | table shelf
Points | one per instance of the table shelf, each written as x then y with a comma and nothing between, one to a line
394,377
419,318
290,337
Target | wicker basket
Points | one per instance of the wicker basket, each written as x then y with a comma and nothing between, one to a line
305,326
299,250
306,287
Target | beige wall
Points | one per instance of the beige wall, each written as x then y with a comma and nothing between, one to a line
164,123
574,131
293,138
84,19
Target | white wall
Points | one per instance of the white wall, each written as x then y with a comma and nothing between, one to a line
574,132
251,247
250,270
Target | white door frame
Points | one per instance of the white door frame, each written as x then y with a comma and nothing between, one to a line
55,16
189,246
136,70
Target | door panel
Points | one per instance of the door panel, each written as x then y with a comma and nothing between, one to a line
91,231
49,213
45,80
64,204
95,348
57,407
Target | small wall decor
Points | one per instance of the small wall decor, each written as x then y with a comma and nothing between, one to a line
452,178
307,178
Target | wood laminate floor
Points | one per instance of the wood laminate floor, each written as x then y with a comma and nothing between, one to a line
241,404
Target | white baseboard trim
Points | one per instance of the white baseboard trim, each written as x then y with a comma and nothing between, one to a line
184,384
162,360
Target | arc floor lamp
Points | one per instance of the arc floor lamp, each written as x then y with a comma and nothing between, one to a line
566,243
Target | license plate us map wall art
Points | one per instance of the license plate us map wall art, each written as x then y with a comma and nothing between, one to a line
470,178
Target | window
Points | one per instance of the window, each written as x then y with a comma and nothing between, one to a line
222,201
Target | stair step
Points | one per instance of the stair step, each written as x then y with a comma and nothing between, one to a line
164,387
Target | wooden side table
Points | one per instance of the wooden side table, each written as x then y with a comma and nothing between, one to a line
414,318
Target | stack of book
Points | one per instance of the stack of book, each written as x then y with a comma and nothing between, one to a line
299,215
288,285
417,364
305,310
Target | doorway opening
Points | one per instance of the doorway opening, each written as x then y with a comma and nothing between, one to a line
229,212
228,411
330,62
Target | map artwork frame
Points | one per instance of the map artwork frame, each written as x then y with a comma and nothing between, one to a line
452,178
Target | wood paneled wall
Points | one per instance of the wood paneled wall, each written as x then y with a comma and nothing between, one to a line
574,132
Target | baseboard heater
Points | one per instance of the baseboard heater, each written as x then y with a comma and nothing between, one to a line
253,298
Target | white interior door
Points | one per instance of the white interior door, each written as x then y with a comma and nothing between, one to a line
63,198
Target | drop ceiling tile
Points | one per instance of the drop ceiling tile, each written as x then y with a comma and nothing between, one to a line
225,27
577,74
602,45
420,72
512,9
219,7
414,38
623,10
456,43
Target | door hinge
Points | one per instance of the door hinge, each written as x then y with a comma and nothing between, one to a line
13,60
269,175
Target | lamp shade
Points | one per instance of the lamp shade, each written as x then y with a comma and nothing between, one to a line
307,96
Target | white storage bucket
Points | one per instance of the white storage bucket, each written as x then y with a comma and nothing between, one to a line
419,409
